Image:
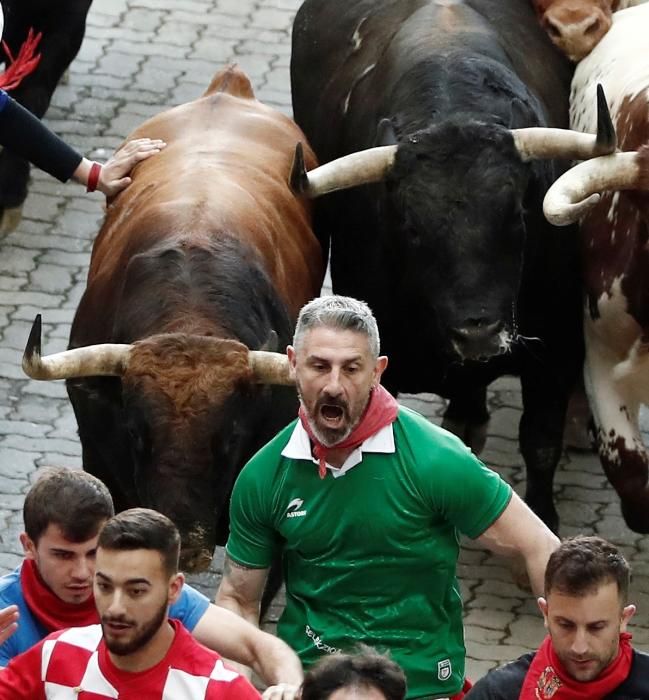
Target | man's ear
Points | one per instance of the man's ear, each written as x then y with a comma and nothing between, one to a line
29,546
176,583
380,367
627,613
543,607
290,353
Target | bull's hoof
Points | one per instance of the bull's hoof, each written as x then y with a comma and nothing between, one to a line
10,220
473,435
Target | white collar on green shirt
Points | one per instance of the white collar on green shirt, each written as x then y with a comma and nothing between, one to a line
299,447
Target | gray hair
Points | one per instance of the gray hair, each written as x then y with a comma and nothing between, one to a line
343,313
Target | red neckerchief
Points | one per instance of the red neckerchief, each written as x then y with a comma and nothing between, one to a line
24,63
546,677
52,612
382,409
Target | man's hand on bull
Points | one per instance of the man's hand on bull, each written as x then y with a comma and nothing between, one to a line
8,622
112,177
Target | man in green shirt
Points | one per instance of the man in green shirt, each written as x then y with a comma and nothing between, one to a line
366,499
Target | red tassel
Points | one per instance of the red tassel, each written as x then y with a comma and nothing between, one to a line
24,64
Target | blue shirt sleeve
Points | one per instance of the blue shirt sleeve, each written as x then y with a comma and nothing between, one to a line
190,607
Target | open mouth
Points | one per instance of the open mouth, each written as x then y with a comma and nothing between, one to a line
332,415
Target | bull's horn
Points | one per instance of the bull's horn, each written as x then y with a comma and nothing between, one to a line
542,142
358,168
577,190
270,367
109,359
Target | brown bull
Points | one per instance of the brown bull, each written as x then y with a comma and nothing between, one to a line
207,254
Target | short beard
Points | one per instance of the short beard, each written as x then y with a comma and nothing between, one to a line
145,635
329,438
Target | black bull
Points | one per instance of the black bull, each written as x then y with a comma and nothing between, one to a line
451,250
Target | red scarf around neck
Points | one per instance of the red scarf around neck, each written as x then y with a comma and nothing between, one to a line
52,612
381,410
546,677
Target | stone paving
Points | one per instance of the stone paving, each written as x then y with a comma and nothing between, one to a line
138,57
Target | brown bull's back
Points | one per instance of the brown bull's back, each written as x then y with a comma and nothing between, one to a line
224,173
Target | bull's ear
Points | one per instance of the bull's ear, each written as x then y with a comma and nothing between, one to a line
298,180
271,343
385,133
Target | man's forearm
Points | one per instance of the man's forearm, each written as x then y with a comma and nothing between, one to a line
275,661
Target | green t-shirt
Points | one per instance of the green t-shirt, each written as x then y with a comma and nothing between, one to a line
371,556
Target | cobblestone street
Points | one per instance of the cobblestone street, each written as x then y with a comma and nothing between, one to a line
138,58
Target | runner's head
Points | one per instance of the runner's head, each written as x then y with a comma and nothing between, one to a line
136,579
585,604
336,364
63,513
366,675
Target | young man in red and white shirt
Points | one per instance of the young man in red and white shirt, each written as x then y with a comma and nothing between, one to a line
136,652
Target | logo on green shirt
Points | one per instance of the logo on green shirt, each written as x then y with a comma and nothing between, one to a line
293,510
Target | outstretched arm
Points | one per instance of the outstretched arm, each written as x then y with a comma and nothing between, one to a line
519,531
240,641
26,136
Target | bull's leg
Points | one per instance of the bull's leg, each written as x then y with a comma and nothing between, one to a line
541,438
466,415
577,433
612,388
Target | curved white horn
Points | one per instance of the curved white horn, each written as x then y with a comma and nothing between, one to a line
270,367
577,190
108,359
542,142
358,168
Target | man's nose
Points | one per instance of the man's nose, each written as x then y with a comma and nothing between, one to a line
116,607
580,643
334,386
82,569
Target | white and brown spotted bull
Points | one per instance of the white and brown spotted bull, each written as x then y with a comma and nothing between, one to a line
615,253
200,264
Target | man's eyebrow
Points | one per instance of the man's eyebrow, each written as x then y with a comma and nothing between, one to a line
61,550
128,582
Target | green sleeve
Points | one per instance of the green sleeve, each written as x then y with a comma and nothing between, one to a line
468,494
253,540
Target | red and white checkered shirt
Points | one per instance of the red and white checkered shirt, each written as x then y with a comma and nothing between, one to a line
74,664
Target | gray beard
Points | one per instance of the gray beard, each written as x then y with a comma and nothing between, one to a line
330,437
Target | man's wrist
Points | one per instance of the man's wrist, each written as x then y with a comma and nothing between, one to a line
93,177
